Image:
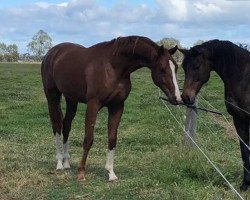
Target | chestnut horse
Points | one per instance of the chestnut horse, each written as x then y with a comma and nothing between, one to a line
232,64
99,76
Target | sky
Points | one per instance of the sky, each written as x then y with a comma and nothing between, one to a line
88,22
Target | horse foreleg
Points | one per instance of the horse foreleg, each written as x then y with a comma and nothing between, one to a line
90,119
243,131
115,113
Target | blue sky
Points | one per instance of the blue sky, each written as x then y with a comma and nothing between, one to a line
91,21
17,3
107,3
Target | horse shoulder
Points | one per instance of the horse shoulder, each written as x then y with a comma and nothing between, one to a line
120,91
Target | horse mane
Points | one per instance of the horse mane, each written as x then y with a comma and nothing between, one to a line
227,58
226,50
128,44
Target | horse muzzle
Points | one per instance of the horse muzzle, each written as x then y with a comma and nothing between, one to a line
188,99
171,98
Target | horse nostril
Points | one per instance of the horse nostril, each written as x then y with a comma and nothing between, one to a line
173,101
185,99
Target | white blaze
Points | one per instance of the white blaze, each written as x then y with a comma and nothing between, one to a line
177,91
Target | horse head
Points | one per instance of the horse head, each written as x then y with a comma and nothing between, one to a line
163,73
197,68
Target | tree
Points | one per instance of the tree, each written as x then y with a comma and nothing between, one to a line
12,54
8,53
2,51
3,48
244,46
170,43
198,42
40,44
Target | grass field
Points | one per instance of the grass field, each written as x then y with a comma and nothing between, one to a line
151,160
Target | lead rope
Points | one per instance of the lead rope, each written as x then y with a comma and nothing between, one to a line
214,166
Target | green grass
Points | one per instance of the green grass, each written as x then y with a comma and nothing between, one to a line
151,160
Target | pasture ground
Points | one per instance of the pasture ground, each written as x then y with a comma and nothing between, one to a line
150,160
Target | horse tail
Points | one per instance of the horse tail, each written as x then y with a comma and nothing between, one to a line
52,93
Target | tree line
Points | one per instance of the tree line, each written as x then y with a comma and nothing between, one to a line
39,45
41,42
8,53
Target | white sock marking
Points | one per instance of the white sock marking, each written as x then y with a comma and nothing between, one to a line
177,91
59,155
66,156
110,165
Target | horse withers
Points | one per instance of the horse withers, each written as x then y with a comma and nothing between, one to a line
232,64
99,76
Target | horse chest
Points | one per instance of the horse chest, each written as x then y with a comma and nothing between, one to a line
238,107
120,91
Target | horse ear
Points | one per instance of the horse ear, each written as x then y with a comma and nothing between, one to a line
173,50
161,50
184,51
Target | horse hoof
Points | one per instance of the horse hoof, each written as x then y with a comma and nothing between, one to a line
244,186
113,178
59,165
81,177
66,164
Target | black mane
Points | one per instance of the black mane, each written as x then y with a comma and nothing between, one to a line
224,54
222,49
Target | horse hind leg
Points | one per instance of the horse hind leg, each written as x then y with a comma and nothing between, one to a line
56,116
71,108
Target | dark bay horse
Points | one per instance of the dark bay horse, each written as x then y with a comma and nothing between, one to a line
232,64
100,77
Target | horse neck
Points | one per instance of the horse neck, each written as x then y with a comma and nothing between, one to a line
226,65
139,54
230,67
219,68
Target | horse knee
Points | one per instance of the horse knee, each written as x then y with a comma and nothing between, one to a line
65,130
112,143
87,143
56,129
